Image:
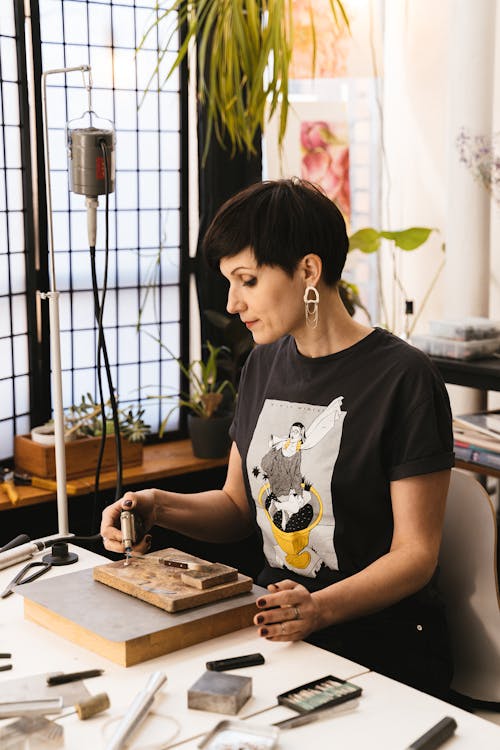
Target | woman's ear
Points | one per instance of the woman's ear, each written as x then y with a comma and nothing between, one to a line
312,266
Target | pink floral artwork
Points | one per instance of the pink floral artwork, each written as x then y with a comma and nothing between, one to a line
325,160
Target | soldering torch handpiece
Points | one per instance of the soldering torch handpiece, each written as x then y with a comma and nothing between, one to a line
132,528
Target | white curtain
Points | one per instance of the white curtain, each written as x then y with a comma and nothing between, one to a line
440,74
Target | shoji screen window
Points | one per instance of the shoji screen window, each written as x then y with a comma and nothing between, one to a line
14,377
147,215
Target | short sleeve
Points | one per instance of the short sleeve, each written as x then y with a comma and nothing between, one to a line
423,440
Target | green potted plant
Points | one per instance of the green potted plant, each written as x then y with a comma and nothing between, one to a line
85,420
35,453
209,401
237,343
369,240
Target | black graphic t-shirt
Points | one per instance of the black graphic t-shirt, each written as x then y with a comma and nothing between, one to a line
321,440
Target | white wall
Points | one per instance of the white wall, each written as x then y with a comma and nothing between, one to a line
416,48
439,71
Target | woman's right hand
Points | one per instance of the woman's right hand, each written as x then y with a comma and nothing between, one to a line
143,504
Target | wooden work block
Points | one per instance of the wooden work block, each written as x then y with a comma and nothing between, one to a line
173,589
220,692
122,628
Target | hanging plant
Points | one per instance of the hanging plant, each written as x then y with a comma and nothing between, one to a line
244,54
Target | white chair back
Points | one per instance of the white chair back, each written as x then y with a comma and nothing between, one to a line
469,581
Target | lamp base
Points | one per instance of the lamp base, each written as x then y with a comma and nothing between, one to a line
60,555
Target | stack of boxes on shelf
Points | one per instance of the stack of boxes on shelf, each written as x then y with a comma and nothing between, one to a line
476,436
469,338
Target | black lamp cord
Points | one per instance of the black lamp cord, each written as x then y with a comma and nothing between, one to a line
102,352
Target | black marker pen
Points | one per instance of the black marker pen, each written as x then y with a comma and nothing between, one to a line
436,735
236,662
62,679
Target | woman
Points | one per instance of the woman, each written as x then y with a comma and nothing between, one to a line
351,546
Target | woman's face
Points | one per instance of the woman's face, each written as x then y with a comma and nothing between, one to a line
267,299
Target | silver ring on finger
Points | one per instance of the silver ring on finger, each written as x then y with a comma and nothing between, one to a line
297,614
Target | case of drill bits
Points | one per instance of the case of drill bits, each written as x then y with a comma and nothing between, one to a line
318,694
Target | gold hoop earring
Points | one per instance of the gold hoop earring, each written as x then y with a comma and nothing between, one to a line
311,305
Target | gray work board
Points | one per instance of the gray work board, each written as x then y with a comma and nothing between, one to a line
96,616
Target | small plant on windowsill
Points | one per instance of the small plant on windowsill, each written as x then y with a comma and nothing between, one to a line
209,401
84,446
85,420
237,343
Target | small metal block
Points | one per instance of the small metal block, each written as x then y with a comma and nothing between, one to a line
220,692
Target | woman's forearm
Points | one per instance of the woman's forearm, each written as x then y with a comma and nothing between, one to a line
394,576
207,516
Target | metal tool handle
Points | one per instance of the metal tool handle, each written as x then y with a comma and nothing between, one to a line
16,542
19,554
137,711
132,528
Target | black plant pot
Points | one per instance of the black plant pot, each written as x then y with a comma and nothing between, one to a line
210,437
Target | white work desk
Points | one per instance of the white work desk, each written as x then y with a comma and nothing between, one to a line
389,715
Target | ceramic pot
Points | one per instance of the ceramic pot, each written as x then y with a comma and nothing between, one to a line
45,435
210,437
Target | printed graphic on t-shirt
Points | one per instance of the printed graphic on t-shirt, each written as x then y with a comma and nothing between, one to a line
290,464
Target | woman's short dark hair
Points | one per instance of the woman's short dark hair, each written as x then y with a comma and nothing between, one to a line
281,220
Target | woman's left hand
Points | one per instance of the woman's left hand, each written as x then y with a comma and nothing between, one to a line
287,613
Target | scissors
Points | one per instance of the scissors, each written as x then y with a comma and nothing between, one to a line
22,576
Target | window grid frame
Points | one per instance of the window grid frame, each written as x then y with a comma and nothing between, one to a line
182,209
35,223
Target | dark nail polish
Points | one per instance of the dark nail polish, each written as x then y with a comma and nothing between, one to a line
260,619
261,602
264,631
127,503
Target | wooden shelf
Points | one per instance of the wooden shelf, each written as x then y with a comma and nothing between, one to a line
159,461
27,496
483,374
